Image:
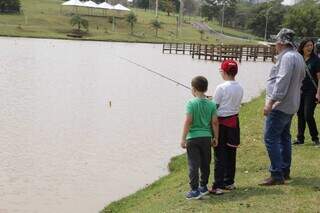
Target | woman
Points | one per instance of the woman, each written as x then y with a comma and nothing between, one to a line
310,93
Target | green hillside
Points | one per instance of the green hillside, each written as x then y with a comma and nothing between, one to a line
47,19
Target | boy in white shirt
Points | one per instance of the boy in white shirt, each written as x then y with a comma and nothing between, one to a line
228,97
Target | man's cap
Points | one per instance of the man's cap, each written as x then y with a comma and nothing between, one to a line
285,36
229,66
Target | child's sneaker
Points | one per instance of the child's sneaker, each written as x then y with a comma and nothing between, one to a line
216,191
203,190
193,194
230,187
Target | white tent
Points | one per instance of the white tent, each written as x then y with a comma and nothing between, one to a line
105,5
90,4
120,7
72,3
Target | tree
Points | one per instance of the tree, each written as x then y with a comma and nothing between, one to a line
156,25
213,9
143,4
131,19
242,15
191,6
79,21
275,18
10,6
167,6
201,31
304,18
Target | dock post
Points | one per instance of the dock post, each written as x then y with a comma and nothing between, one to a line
205,51
184,46
193,50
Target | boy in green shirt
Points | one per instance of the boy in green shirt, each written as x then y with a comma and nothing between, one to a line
200,131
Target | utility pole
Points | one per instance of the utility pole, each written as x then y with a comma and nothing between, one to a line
222,19
266,27
180,15
177,27
157,4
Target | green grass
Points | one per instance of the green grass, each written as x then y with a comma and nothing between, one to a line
301,194
45,19
232,32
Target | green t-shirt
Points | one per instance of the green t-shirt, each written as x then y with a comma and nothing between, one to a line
201,111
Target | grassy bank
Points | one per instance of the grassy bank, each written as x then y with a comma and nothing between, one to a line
301,194
47,19
232,32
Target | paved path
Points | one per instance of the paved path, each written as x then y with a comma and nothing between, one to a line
212,32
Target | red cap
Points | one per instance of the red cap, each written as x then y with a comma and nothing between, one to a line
229,66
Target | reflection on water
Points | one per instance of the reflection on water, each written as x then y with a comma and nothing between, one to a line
80,127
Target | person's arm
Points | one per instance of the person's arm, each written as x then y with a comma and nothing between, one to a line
215,130
186,127
318,77
218,96
282,83
318,90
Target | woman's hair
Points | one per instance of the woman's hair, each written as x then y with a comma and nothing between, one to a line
303,43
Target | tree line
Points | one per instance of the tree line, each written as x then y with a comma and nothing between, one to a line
303,18
10,6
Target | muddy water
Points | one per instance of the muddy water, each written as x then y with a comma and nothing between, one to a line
80,127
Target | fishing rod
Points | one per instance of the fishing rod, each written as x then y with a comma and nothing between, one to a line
154,72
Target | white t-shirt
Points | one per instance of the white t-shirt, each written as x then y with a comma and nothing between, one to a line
228,96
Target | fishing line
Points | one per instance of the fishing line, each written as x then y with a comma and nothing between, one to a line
154,72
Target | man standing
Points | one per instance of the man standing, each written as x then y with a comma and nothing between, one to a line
282,101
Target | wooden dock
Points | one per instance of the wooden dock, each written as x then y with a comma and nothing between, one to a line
222,52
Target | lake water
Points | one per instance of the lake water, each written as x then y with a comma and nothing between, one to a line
80,127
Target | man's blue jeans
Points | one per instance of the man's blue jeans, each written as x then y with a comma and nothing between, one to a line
277,139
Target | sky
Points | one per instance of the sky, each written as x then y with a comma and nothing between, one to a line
288,2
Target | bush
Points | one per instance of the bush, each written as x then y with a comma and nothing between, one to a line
10,6
156,24
78,21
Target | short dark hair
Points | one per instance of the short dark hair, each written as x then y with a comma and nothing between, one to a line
200,83
303,43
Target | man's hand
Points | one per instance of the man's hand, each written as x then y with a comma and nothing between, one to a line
183,144
269,106
214,142
267,109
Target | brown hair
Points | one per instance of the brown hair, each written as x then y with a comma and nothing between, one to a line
200,83
303,43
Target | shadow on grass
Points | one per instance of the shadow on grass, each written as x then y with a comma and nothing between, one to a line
244,193
307,182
